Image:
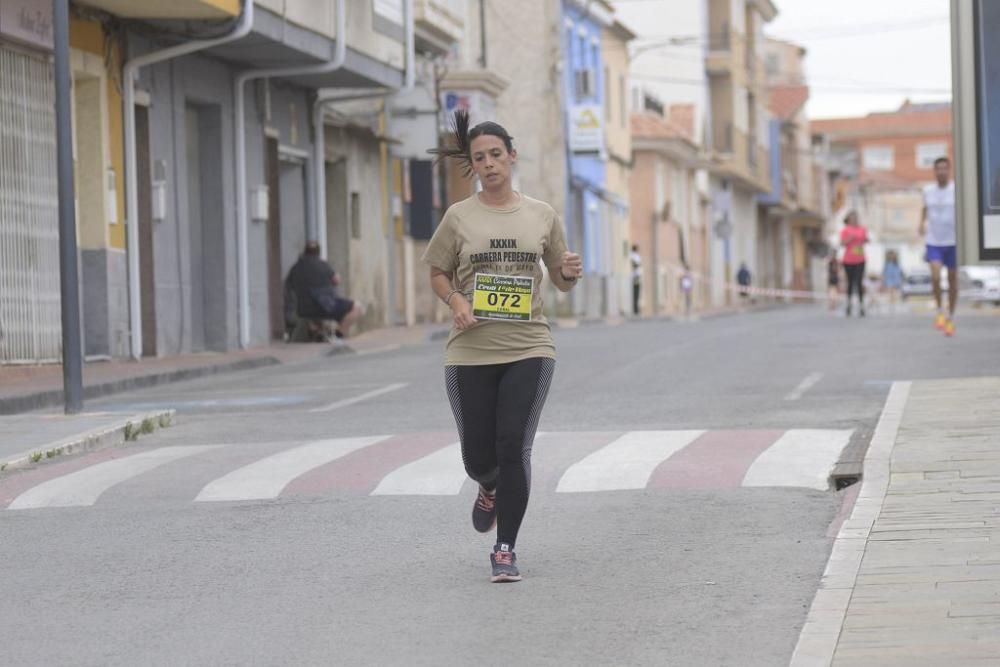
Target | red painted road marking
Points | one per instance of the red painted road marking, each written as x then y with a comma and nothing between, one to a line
716,460
363,469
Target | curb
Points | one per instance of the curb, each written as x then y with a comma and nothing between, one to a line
116,435
820,634
47,399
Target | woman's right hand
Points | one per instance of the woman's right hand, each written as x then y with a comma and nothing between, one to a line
461,310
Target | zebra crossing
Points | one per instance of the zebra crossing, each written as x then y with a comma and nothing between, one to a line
430,464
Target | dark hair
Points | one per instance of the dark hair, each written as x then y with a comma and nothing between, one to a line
312,248
852,214
462,148
940,160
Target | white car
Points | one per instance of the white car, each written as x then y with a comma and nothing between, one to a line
918,283
981,284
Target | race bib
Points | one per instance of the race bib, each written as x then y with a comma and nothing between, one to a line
502,297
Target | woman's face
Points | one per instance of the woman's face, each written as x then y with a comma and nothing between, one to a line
852,219
491,161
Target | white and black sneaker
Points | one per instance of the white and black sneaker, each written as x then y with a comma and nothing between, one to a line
504,564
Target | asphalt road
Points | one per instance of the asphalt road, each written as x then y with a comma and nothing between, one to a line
712,560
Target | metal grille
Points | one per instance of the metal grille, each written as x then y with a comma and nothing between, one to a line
29,235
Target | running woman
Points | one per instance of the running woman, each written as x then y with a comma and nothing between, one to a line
937,226
854,237
485,260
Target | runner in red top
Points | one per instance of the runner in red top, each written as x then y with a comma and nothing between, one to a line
853,238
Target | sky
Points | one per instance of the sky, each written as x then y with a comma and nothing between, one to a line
869,55
862,55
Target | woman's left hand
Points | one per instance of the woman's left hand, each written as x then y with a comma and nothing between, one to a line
572,266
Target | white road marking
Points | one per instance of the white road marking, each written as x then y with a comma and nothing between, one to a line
626,463
83,487
362,397
440,473
804,386
379,350
802,458
267,477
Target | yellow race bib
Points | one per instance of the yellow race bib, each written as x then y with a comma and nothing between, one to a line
502,297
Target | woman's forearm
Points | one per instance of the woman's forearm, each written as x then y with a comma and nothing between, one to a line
441,283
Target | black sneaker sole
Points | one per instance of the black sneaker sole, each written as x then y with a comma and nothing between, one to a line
487,529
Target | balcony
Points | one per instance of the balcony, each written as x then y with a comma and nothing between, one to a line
167,9
719,59
440,22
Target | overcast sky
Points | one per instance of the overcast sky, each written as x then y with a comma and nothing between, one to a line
863,55
869,55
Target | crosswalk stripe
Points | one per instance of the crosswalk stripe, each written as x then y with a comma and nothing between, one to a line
438,474
84,487
267,477
626,463
716,460
801,457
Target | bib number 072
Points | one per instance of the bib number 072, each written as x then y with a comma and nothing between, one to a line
504,300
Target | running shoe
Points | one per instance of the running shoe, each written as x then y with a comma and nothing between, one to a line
484,512
504,565
949,328
941,321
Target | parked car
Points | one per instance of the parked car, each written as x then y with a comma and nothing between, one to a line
983,284
974,283
918,283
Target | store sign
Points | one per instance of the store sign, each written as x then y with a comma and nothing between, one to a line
480,106
586,128
988,87
28,22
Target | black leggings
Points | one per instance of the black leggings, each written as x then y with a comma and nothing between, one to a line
855,280
497,409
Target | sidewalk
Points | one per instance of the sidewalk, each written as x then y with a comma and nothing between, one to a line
33,428
24,388
914,577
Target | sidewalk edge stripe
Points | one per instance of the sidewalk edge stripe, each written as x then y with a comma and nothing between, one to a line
820,634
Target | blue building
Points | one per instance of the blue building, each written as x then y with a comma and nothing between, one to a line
583,97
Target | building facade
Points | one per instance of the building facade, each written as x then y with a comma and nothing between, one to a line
882,160
738,130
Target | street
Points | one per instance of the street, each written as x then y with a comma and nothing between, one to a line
317,514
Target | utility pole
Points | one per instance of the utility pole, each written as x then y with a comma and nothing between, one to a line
72,357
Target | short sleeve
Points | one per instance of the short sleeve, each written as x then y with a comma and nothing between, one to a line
555,244
442,250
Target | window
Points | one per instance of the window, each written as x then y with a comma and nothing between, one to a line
878,158
772,63
355,215
607,97
622,100
585,84
927,153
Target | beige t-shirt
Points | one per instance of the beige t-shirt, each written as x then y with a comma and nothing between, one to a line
475,239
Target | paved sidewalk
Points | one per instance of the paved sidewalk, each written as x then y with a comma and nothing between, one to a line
37,437
914,577
25,388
